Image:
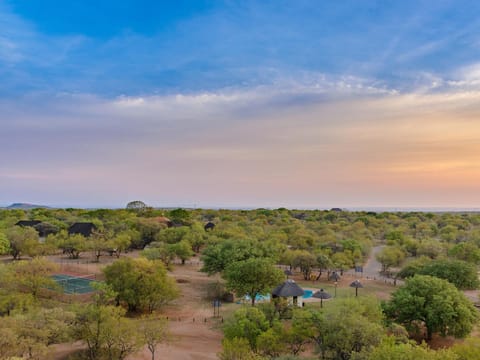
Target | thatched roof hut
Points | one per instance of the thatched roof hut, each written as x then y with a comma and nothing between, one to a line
209,226
288,289
83,228
28,223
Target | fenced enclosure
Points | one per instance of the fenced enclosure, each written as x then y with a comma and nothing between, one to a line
72,284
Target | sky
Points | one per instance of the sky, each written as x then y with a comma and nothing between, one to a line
299,104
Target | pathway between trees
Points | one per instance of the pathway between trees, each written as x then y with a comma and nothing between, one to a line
372,269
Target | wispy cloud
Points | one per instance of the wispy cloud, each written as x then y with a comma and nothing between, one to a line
252,103
248,146
249,44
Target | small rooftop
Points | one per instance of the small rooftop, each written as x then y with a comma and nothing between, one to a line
30,223
287,289
82,228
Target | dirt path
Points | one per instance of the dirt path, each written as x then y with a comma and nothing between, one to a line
372,267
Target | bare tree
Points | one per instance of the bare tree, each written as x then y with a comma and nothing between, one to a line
154,331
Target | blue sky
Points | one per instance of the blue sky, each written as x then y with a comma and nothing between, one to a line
240,103
143,47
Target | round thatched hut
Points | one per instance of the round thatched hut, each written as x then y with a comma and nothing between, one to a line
288,289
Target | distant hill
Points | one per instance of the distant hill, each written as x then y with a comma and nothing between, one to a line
25,206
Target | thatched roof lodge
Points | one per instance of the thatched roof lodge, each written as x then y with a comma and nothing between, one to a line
288,289
209,226
43,228
83,228
28,223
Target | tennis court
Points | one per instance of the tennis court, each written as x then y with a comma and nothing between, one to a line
75,284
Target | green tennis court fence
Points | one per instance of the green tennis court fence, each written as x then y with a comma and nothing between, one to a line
75,284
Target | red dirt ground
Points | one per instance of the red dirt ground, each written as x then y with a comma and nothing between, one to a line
189,339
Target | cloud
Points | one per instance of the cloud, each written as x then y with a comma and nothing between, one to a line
331,141
241,45
244,106
20,42
466,78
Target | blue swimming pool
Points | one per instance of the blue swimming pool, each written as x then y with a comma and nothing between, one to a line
258,297
306,294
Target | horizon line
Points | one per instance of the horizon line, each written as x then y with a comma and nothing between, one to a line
240,207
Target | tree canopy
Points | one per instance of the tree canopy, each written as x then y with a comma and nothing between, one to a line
390,350
252,277
217,256
432,303
142,284
460,273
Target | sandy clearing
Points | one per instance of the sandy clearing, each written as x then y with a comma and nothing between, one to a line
190,339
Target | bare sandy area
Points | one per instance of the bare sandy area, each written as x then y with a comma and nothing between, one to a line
191,337
194,333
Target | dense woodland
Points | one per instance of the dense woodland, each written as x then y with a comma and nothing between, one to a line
433,256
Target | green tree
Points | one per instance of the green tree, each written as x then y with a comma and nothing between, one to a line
159,251
29,334
252,277
25,338
8,340
467,350
93,325
305,261
390,256
74,245
23,240
148,229
342,261
324,263
182,250
197,237
460,273
34,275
237,349
247,323
153,332
4,244
172,235
449,233
99,243
180,216
413,267
49,326
433,303
431,248
349,328
12,301
300,332
137,206
395,236
271,343
411,246
390,350
121,242
217,256
121,338
142,284
466,251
